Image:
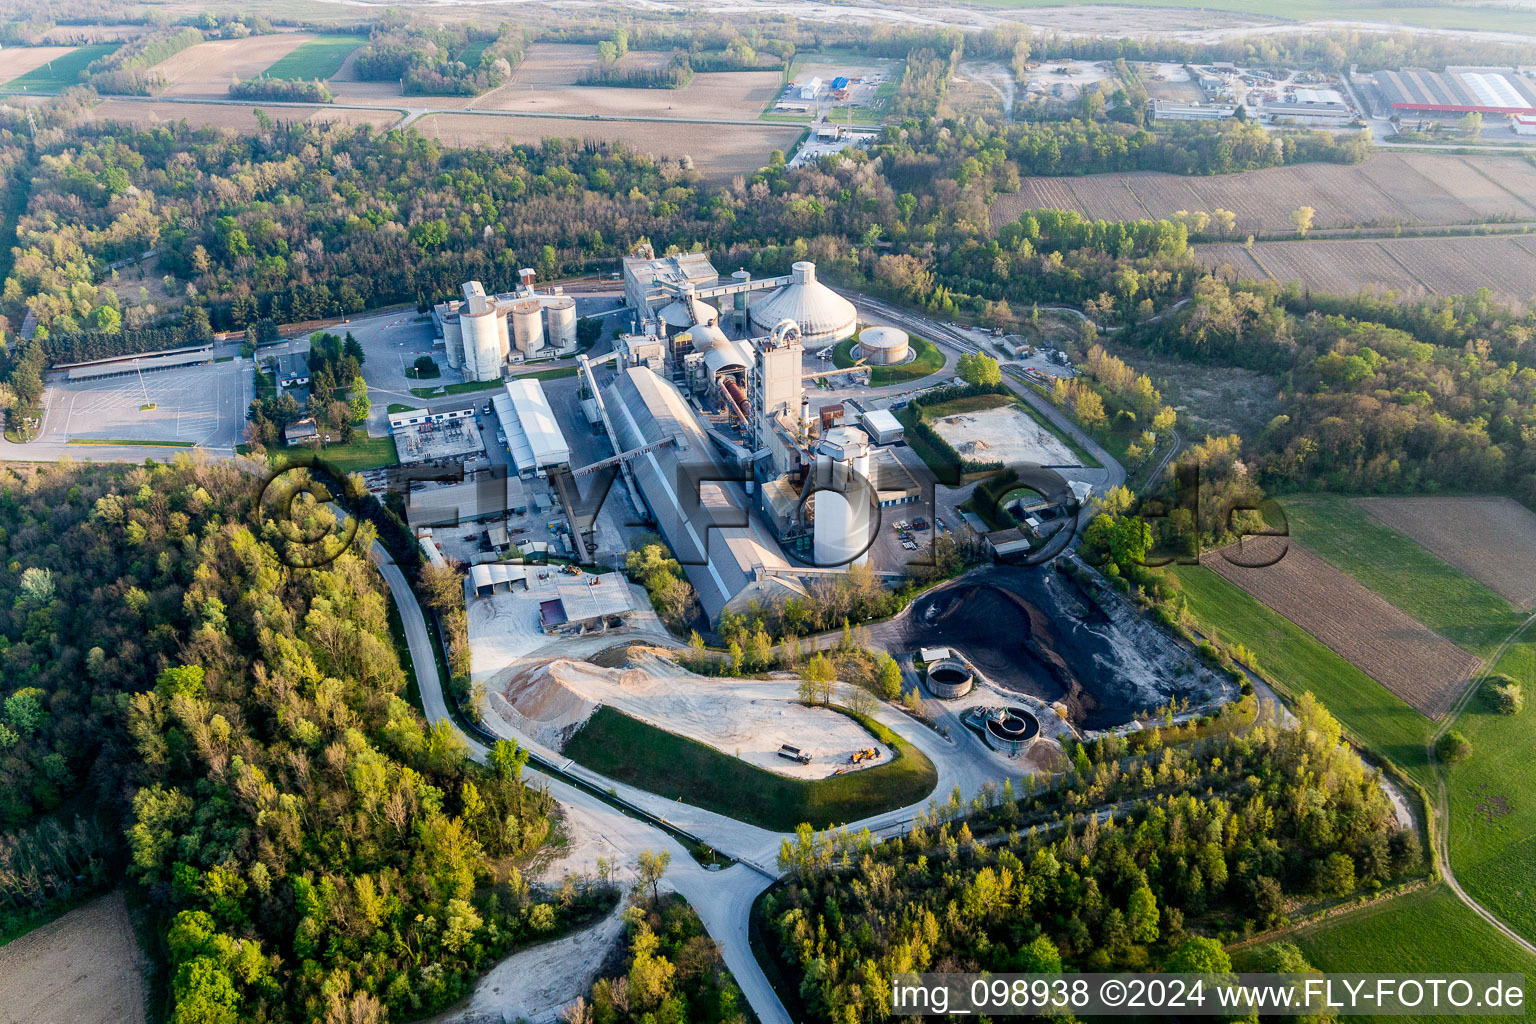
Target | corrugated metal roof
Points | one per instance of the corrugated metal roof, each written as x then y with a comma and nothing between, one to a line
823,315
533,435
706,523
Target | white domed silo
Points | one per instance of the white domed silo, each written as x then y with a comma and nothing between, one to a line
843,499
560,310
687,310
825,317
884,346
453,340
528,325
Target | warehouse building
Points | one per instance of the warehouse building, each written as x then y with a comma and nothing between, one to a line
697,507
533,435
1456,91
489,495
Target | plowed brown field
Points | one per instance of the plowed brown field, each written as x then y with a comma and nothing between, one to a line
1399,652
84,968
1493,540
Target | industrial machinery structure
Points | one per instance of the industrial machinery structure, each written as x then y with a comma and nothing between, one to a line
843,497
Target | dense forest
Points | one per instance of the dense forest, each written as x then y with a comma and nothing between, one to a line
1226,836
308,847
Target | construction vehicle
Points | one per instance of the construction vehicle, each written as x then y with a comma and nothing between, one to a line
571,570
867,754
795,754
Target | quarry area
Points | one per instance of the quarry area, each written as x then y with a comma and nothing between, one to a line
746,718
1004,434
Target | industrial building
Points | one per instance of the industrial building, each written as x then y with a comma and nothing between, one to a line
423,436
486,495
144,362
823,316
484,334
1309,106
533,436
699,509
882,426
810,89
1524,124
1169,110
1457,91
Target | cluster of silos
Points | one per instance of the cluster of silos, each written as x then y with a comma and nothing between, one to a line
884,346
844,499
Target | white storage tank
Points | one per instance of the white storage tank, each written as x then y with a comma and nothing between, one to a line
482,345
884,346
453,340
527,325
843,499
561,313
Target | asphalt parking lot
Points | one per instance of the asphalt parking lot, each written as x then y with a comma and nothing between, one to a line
202,405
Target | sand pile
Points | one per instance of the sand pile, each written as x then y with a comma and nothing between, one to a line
746,718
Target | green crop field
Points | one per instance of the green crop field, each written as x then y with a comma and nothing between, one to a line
320,58
470,55
1442,597
674,766
1455,16
1492,832
63,71
1293,661
1425,931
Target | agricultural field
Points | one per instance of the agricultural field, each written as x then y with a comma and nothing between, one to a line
718,151
545,83
1420,931
980,90
48,68
1492,540
227,115
319,57
207,69
1424,669
85,968
1410,269
1389,189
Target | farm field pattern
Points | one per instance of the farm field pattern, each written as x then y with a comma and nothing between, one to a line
1493,540
1407,189
1411,268
1407,657
207,69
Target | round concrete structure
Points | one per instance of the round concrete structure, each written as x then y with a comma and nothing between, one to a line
884,346
482,345
561,313
840,534
1010,730
527,325
949,678
823,316
453,340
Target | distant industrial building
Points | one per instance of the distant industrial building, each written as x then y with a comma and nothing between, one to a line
1524,124
484,334
1457,91
1309,106
810,89
1167,110
533,435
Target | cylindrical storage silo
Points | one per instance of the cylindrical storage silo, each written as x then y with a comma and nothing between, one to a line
561,312
883,346
481,346
503,335
843,499
453,340
527,325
